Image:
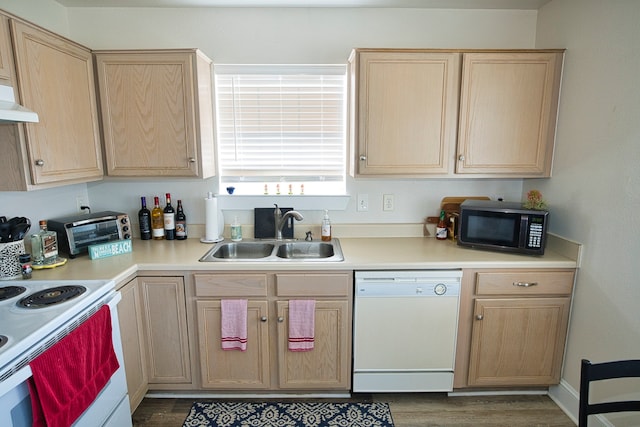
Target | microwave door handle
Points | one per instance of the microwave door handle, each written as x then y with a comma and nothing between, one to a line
524,231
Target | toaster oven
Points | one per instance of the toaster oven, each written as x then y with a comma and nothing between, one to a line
77,232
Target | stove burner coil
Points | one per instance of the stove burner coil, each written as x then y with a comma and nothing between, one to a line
51,296
7,292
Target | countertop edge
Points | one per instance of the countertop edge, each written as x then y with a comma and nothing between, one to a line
413,253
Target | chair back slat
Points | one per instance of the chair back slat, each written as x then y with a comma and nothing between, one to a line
590,372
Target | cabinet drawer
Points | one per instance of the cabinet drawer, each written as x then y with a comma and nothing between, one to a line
524,283
225,285
299,285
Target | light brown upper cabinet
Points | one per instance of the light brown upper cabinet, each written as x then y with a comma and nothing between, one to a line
157,112
508,109
6,65
403,114
55,79
439,113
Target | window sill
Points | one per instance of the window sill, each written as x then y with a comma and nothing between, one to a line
303,203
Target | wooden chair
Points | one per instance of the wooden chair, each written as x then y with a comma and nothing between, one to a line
602,371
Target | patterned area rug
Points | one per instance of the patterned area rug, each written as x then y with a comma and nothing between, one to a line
303,414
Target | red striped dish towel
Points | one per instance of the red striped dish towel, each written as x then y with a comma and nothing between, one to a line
234,324
302,317
68,376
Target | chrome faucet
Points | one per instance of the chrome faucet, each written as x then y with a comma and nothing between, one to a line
280,219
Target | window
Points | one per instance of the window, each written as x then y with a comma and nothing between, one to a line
281,126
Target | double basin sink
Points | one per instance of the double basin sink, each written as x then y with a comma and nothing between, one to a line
275,251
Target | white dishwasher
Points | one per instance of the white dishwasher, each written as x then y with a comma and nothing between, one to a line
405,329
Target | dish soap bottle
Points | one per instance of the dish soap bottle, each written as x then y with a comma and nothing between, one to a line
236,230
326,227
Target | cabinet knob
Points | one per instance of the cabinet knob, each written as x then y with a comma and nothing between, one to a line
192,160
525,284
39,162
280,319
479,317
363,157
461,157
263,319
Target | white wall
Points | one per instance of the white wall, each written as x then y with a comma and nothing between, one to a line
594,192
47,13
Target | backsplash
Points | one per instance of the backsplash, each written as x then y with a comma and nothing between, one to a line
414,199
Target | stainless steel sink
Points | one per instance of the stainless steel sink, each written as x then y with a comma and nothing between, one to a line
275,251
305,250
242,250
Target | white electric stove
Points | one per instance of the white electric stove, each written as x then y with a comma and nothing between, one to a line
36,314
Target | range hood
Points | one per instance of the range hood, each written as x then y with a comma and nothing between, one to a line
10,112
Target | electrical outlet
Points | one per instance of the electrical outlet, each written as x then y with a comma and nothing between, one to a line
81,201
387,202
363,202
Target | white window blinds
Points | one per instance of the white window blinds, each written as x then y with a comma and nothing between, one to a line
281,123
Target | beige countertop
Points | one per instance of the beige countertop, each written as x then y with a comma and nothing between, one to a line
381,253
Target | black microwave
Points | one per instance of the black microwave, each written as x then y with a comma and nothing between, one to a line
502,226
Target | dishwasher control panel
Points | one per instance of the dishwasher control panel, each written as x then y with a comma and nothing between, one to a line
408,283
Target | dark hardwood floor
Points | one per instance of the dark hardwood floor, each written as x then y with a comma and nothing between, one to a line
407,410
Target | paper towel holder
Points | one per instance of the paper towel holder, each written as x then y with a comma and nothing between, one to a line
212,235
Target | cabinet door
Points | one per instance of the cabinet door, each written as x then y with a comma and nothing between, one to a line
508,108
233,369
406,112
328,365
55,78
518,341
149,112
165,323
133,342
6,65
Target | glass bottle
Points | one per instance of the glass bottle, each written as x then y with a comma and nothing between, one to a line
44,245
441,228
236,230
325,228
144,219
181,222
169,216
157,221
25,265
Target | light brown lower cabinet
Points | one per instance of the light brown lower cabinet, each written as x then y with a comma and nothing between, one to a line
165,322
230,369
512,327
267,364
133,342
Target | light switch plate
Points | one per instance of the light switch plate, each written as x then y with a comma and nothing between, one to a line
387,202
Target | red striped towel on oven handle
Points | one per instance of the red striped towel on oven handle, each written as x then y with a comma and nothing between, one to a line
68,376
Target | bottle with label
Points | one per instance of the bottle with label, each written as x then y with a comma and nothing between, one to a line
181,222
25,265
441,228
169,219
144,219
44,245
325,228
236,230
157,221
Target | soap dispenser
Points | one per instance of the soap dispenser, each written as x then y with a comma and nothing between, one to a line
236,230
326,227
